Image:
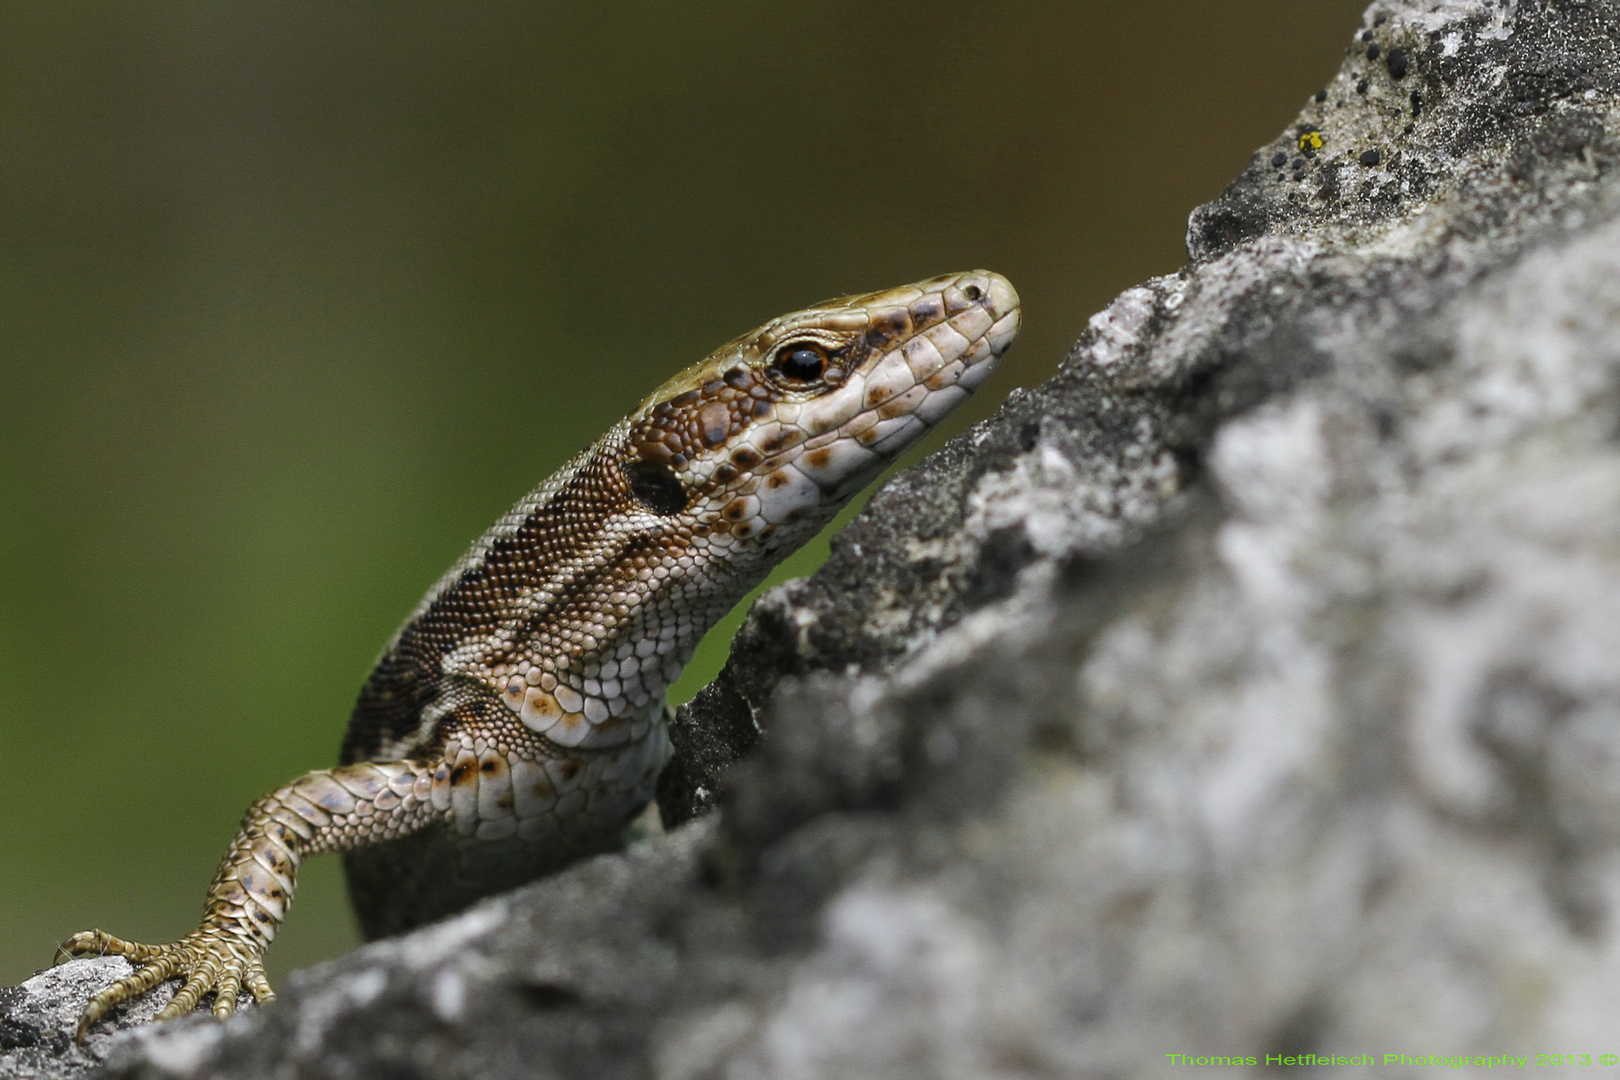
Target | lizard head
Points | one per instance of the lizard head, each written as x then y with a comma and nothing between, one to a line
764,440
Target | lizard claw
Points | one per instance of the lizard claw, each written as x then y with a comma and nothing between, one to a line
207,958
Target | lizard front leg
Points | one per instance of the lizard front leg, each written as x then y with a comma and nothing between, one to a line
328,810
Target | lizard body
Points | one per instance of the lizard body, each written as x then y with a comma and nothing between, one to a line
516,720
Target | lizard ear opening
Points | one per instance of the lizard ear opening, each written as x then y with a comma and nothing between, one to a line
655,487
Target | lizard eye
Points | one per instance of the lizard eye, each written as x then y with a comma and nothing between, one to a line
801,362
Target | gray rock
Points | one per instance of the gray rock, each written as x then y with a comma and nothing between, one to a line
38,1019
1249,688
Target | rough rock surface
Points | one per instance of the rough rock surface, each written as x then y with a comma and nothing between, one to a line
1249,688
37,1019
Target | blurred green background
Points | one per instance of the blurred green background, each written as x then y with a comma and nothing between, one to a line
296,298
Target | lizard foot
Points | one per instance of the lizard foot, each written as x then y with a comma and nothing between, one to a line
207,958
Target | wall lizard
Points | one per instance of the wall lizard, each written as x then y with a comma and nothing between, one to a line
516,722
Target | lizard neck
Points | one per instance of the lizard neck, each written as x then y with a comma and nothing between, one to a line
577,611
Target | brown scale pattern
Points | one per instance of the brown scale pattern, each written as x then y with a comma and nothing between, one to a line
704,417
564,537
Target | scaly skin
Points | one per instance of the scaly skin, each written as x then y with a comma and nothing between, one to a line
516,721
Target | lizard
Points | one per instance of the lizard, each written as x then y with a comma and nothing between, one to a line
516,722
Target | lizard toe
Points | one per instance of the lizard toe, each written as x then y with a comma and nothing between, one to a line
206,961
101,943
260,985
230,985
154,970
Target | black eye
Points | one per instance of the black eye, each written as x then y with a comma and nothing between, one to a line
803,362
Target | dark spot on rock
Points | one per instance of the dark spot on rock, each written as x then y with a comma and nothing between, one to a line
1301,1033
1373,51
1417,103
1222,225
1386,422
1366,35
1321,96
545,996
1407,130
1361,87
1005,553
1279,159
1299,163
15,1035
1381,20
1369,158
1397,63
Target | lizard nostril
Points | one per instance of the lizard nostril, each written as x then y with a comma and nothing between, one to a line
973,293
